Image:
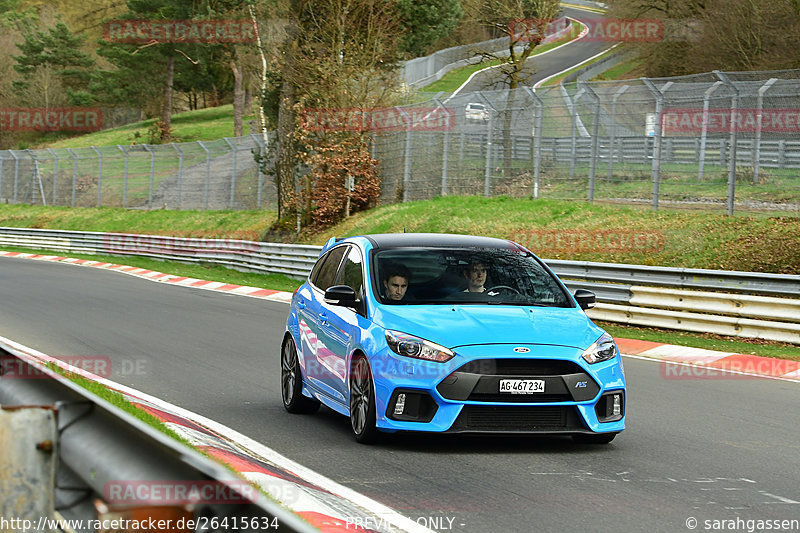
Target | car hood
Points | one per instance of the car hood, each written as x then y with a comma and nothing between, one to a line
461,325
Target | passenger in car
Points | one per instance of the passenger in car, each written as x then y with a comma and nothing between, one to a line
395,281
475,274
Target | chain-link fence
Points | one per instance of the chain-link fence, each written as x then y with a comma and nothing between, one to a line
716,139
719,140
220,174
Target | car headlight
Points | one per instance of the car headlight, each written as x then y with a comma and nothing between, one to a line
411,346
603,349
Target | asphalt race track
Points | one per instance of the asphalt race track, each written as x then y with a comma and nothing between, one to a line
708,449
539,68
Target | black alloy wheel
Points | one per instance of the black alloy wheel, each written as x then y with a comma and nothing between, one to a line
362,401
292,383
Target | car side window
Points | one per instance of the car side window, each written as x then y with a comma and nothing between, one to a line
351,274
324,274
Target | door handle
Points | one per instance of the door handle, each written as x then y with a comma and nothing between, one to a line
301,305
323,319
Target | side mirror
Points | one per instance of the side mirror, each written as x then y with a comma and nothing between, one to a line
585,299
341,295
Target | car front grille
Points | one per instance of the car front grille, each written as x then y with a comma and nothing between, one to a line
523,419
479,381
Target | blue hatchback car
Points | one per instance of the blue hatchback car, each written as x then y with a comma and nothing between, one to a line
449,333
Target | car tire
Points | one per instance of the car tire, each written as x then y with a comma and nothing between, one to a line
362,401
597,438
292,381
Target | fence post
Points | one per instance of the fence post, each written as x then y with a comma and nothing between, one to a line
538,111
180,172
406,155
732,155
74,173
613,135
760,108
124,178
487,172
445,148
595,138
16,173
55,174
704,130
152,173
656,168
233,172
574,132
99,175
208,169
1,175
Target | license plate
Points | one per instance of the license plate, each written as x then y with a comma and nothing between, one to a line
522,386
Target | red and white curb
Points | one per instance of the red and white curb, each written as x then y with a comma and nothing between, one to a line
688,363
322,502
152,275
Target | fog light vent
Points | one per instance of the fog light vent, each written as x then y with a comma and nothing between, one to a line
400,404
411,406
610,407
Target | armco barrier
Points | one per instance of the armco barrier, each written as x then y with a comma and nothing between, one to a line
746,304
96,445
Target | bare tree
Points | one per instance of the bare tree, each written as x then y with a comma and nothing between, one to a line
524,23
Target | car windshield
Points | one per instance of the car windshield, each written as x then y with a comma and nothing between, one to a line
464,276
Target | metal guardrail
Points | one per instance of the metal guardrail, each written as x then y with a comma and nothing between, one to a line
96,445
716,295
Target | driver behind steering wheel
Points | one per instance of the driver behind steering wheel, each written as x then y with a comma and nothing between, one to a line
475,273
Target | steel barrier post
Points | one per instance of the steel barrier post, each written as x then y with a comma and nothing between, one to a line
208,169
233,173
574,131
487,171
656,167
99,175
612,140
406,155
152,173
16,174
445,150
538,111
757,148
74,173
704,130
124,178
733,130
180,173
55,174
595,138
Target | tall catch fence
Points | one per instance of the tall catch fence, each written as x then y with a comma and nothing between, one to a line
714,140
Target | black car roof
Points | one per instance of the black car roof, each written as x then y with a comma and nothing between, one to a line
444,240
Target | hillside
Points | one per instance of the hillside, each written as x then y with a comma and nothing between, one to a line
552,229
